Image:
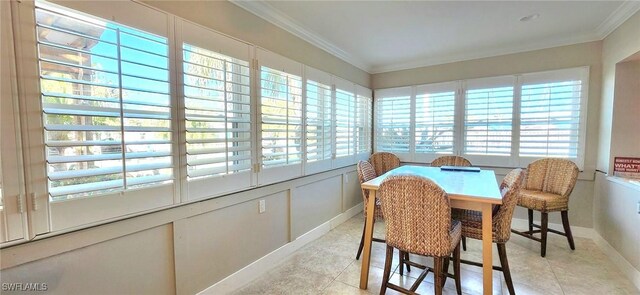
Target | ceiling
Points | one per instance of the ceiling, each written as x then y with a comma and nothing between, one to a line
382,36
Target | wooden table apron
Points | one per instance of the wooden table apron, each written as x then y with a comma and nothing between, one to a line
460,197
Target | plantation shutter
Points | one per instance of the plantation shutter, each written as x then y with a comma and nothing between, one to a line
488,120
345,122
435,120
363,123
280,117
550,114
217,101
318,114
393,121
106,105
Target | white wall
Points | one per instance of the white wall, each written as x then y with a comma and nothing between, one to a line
615,204
185,249
619,45
625,137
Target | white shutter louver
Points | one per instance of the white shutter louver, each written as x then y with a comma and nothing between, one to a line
435,122
217,113
393,123
550,119
281,115
488,121
106,105
319,113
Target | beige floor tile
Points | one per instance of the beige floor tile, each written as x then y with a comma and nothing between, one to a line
328,266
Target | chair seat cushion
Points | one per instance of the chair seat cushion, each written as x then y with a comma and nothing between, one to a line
541,201
472,225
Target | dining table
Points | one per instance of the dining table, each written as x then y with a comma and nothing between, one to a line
472,189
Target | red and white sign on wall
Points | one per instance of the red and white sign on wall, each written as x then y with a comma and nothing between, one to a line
626,167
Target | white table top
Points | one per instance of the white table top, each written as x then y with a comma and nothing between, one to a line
479,186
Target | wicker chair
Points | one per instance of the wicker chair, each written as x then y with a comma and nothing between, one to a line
472,222
450,161
418,219
547,187
383,162
366,173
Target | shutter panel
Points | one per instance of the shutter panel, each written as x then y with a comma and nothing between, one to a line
217,113
550,113
393,120
345,121
363,122
106,105
319,114
281,117
435,119
488,119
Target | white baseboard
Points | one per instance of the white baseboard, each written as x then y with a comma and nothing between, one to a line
259,267
576,231
584,232
627,269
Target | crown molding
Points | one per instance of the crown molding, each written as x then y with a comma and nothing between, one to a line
451,58
265,11
617,17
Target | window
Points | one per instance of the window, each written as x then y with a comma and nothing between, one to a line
152,110
488,119
504,121
217,113
345,121
319,121
106,105
435,120
363,123
393,120
550,115
281,109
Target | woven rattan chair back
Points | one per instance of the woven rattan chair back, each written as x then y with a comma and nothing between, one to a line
384,161
450,161
417,215
365,173
510,188
556,176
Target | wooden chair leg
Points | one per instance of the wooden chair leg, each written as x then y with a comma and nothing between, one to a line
445,270
464,243
502,252
543,232
406,257
567,229
387,270
456,269
361,242
437,272
530,214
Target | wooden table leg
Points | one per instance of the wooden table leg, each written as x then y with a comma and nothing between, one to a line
487,248
368,236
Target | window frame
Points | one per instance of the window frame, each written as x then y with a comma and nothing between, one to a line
13,211
196,35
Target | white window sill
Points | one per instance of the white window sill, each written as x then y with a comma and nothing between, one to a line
628,182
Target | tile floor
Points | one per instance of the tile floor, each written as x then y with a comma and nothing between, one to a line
328,266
